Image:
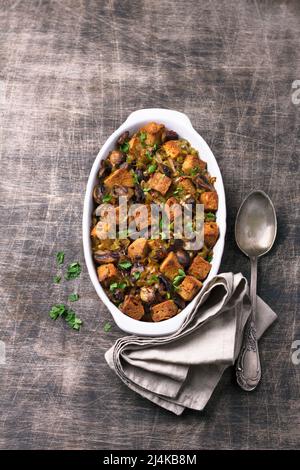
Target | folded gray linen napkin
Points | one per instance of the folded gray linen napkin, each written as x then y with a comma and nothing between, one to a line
182,370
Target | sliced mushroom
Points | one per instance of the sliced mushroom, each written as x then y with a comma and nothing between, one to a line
98,193
123,137
103,257
116,157
183,258
147,294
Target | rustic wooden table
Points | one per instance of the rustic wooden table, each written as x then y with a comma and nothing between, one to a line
70,73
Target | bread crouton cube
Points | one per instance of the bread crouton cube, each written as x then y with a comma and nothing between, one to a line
120,177
210,200
153,133
132,307
192,162
142,216
107,272
186,185
172,208
160,183
170,266
172,148
211,233
189,287
164,310
199,268
138,249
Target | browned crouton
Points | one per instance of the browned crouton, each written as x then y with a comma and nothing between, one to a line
211,233
210,200
107,272
172,148
199,268
138,249
192,162
159,182
132,307
120,177
142,216
170,266
189,287
172,208
186,185
164,310
116,157
153,133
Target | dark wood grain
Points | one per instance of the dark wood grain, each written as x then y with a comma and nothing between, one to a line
70,73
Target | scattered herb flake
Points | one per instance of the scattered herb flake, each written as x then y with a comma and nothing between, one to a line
136,275
73,297
57,279
113,286
146,190
73,271
149,154
107,198
153,279
60,257
143,137
68,314
107,327
179,278
209,258
125,264
210,217
152,168
124,147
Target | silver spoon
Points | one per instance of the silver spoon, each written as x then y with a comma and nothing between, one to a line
255,232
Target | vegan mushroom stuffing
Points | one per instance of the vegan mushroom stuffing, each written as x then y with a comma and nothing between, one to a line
153,279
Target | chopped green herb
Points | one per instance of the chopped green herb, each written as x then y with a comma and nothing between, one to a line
123,233
60,257
163,236
122,285
135,177
143,137
116,285
125,264
57,279
168,295
107,327
178,191
73,297
153,279
73,271
57,311
195,171
113,286
179,278
107,198
152,168
124,147
210,217
68,314
155,147
149,154
146,190
209,258
136,275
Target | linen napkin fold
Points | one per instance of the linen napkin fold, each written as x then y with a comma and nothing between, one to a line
182,370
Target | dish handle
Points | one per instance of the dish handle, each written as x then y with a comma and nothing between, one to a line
165,114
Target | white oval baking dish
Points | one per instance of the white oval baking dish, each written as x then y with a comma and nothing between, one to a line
180,123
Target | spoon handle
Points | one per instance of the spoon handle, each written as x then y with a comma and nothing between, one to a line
248,370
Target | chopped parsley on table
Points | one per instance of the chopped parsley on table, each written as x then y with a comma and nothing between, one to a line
57,279
61,310
73,271
73,297
60,257
107,327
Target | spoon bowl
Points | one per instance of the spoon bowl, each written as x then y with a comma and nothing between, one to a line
256,224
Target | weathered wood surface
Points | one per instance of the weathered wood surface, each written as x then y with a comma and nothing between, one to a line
70,73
